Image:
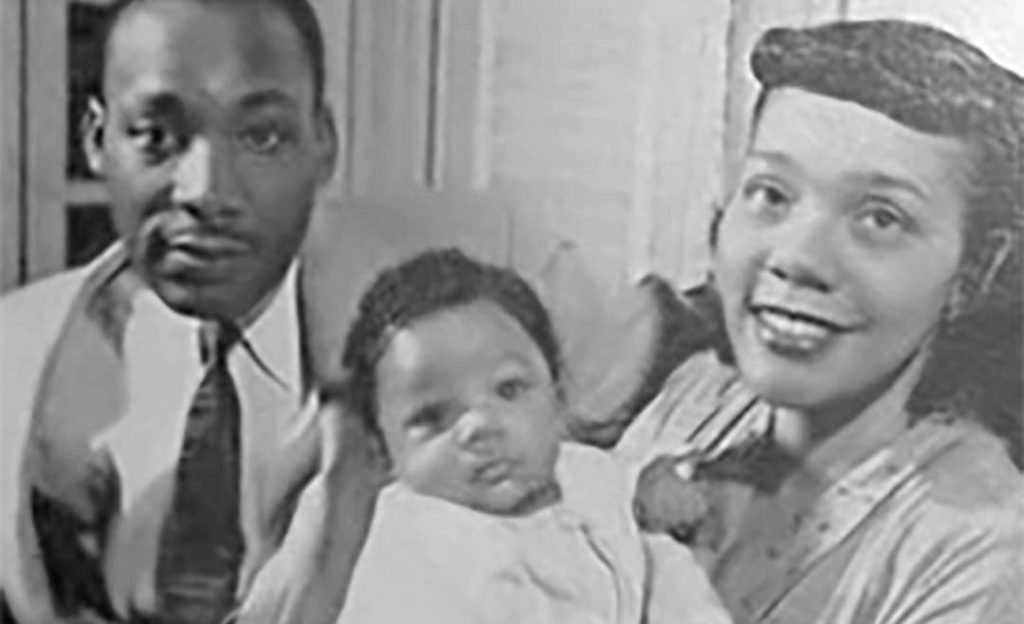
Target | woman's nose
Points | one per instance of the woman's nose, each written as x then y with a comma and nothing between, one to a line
478,427
205,178
803,252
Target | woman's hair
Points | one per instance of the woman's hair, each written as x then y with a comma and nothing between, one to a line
431,282
933,82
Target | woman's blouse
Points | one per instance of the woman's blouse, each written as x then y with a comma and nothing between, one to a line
929,528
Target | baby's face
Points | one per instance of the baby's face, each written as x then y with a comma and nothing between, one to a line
468,409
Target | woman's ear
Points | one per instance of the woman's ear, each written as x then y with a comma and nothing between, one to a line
92,126
975,282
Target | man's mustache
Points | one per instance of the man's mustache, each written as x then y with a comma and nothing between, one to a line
164,230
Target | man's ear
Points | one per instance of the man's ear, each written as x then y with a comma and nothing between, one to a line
974,283
327,138
92,126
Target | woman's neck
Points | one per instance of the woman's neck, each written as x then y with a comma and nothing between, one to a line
831,441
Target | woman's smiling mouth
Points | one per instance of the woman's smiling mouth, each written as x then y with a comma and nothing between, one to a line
794,333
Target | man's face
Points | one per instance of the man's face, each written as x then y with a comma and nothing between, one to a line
468,409
212,146
839,250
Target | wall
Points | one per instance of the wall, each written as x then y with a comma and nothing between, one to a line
598,120
612,125
10,143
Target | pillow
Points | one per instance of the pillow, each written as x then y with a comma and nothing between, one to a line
619,341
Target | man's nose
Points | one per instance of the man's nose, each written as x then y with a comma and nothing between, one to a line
803,250
478,427
205,177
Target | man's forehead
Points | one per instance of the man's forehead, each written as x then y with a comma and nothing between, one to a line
183,47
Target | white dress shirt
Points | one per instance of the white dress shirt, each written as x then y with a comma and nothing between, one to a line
278,449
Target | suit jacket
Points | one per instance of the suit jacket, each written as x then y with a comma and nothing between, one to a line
31,323
609,332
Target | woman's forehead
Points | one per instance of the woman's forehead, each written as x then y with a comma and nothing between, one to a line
798,128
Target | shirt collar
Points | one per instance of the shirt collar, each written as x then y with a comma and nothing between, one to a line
272,338
270,333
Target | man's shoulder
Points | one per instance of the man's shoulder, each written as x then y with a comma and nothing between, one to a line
32,304
30,317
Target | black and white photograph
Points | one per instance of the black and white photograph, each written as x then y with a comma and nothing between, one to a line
511,311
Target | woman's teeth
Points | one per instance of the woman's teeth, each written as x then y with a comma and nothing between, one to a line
791,333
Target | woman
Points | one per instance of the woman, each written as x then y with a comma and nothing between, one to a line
868,270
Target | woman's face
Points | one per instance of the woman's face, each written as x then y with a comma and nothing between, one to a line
838,252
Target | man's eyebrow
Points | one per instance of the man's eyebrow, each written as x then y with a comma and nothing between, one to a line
267,98
159,103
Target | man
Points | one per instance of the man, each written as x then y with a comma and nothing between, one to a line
155,445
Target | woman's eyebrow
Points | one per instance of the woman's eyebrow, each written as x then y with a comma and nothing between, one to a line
773,157
888,181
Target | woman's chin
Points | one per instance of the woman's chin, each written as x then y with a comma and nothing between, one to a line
793,387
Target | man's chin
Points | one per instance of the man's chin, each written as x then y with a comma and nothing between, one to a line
208,301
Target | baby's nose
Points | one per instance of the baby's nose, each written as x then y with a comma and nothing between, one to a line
478,426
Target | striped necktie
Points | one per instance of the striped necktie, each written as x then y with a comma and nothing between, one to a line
201,543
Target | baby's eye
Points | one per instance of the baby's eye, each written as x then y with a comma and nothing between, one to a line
512,388
430,418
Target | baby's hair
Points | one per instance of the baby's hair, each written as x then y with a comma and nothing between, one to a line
431,282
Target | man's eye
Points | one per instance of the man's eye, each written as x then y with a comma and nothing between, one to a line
513,388
264,138
153,138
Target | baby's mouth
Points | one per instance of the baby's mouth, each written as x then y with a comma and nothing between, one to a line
492,471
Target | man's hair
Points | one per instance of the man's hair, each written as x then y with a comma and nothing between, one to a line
431,282
299,12
933,82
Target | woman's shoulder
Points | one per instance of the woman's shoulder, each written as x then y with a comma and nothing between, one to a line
969,506
951,541
975,478
702,404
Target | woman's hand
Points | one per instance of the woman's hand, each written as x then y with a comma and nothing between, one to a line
685,509
664,502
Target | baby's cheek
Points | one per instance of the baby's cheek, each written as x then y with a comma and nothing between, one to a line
431,470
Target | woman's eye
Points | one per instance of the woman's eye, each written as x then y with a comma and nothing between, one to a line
880,221
766,197
263,138
512,389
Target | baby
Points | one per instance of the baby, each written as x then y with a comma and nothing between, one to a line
491,518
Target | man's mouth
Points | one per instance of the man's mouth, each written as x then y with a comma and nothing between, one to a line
191,249
207,247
